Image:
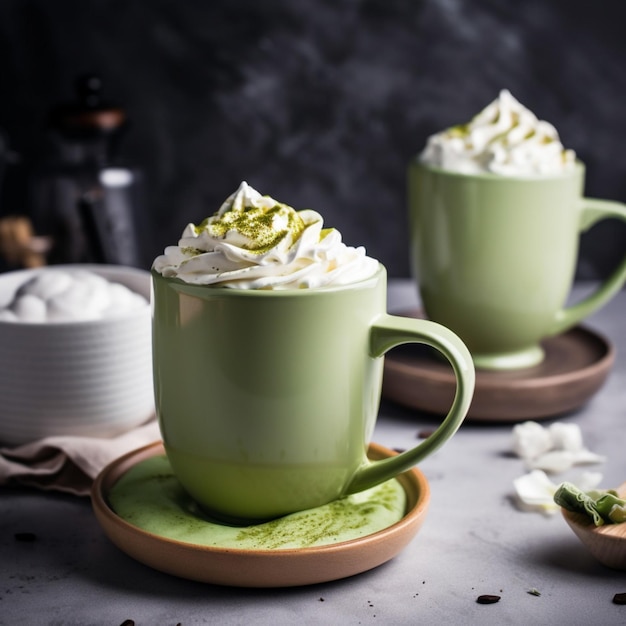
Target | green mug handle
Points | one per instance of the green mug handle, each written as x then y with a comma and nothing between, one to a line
594,210
389,331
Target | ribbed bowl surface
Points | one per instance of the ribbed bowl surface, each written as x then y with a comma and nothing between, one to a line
90,378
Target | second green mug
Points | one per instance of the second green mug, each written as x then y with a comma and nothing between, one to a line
494,257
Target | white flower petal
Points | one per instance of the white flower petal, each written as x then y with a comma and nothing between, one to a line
588,481
554,461
566,436
585,457
530,439
535,492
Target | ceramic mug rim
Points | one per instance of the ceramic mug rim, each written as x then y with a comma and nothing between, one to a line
576,171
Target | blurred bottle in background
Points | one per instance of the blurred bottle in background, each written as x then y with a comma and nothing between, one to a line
82,198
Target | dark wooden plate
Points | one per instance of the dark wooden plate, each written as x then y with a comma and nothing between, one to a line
576,366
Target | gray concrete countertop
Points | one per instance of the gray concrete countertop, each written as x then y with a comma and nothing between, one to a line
474,541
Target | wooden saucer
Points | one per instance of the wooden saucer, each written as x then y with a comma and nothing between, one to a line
576,365
258,568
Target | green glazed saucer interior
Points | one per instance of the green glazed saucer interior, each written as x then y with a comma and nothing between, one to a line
150,497
144,511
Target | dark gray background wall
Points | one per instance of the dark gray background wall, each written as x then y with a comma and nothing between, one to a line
320,103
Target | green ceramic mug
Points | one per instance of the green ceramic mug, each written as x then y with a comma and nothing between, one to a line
494,257
267,399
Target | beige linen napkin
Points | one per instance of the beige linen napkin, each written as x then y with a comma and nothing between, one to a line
69,463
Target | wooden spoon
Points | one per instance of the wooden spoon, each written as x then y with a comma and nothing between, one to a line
606,543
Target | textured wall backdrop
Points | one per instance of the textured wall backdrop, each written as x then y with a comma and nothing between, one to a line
320,103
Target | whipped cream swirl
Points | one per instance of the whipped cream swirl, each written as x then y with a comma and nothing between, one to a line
505,138
255,242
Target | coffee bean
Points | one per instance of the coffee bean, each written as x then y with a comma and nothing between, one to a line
487,599
619,598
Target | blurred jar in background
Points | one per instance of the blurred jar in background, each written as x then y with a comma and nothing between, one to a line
81,196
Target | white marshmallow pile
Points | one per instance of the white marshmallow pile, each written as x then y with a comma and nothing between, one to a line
70,296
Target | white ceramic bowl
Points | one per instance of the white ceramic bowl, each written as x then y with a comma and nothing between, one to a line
87,378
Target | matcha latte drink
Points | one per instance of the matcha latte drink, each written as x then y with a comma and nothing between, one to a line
496,209
269,334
